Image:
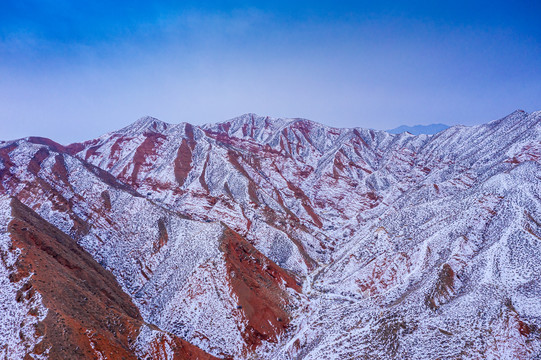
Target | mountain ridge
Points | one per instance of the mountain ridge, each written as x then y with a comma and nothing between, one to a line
151,123
252,239
430,129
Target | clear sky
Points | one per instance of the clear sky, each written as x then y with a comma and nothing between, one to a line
72,70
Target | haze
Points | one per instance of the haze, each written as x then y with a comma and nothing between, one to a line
72,70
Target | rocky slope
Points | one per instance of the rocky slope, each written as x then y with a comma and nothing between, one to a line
274,239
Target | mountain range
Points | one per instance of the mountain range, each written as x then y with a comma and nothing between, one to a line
265,238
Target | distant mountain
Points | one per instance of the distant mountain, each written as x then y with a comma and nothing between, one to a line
263,238
419,129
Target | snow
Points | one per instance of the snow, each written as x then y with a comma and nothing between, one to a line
416,232
17,325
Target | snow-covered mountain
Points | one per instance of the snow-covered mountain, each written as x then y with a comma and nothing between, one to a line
419,129
273,239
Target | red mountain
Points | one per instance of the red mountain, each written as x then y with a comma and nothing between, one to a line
273,239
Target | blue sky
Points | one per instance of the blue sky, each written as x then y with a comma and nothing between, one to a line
72,70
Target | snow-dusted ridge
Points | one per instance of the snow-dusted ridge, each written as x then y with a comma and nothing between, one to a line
288,239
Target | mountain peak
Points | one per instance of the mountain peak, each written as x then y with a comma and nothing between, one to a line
516,115
419,129
145,123
249,125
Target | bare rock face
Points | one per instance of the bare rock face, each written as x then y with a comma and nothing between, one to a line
273,239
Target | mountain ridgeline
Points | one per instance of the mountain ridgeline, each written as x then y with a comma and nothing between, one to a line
419,129
263,238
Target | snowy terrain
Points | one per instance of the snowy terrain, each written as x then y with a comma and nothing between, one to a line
287,239
419,129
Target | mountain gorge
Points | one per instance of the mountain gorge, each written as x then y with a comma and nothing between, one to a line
263,238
